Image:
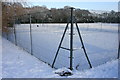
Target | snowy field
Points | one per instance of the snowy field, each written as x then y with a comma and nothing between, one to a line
17,63
0,55
100,40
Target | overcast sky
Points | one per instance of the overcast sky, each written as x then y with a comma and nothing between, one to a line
107,6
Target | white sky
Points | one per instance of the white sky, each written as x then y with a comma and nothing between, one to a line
63,0
106,5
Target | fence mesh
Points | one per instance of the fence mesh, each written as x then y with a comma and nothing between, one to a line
100,40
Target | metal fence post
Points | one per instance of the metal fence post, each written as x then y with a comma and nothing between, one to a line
101,26
118,32
15,27
31,36
71,40
118,41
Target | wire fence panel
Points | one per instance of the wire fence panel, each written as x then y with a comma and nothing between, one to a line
100,40
45,42
101,46
23,36
4,34
11,35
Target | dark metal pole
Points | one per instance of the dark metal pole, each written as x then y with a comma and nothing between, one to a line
118,41
71,40
31,36
15,27
7,29
15,34
7,32
72,20
118,33
60,45
83,45
119,50
101,26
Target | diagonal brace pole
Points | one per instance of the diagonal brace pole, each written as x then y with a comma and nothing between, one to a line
118,41
60,45
119,50
83,45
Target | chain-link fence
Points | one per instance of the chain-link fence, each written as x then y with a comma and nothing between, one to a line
42,40
100,40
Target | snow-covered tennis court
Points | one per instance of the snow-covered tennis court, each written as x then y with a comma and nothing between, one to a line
100,40
17,63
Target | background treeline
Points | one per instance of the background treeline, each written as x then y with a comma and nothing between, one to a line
53,15
16,13
10,13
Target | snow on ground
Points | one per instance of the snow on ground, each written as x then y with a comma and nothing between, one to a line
16,63
19,64
0,56
109,70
